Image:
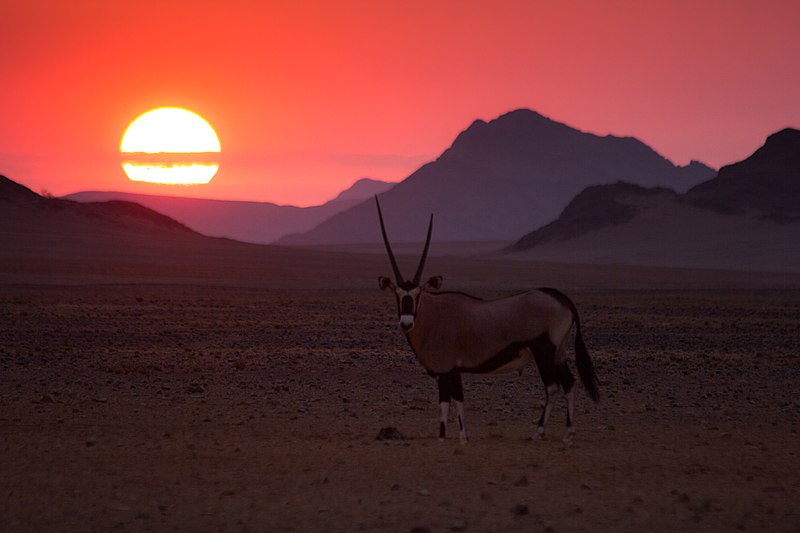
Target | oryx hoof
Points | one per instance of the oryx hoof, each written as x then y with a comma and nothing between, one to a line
569,436
540,433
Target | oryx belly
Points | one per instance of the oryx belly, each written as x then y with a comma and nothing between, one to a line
516,364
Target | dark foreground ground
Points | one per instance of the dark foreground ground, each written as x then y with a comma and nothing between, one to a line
192,407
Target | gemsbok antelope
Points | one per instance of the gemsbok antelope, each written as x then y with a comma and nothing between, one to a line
452,333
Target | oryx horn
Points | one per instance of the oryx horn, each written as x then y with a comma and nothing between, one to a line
418,275
398,276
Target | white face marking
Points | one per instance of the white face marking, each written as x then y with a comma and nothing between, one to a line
407,322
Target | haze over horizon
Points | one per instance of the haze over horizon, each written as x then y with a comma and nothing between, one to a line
306,99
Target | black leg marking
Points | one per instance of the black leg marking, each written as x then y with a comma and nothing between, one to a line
565,378
450,387
444,388
544,353
442,430
460,424
456,388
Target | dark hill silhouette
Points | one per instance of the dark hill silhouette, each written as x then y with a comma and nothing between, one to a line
255,222
111,214
501,178
53,240
595,208
768,181
747,218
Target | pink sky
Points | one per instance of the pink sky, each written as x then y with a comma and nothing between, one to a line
307,97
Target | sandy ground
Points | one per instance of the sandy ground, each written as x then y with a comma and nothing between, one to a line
210,407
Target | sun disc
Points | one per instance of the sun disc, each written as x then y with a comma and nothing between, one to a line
155,139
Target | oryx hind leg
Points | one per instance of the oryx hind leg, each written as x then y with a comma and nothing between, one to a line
567,382
544,352
549,391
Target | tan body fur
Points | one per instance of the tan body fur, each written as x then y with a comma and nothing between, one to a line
450,329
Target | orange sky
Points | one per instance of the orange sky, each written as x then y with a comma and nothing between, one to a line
306,97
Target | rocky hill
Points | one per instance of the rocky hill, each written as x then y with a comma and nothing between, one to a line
746,217
501,178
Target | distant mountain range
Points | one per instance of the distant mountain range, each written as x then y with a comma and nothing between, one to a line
62,241
747,217
501,178
254,222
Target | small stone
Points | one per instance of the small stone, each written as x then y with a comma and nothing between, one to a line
390,433
520,509
195,388
522,482
424,492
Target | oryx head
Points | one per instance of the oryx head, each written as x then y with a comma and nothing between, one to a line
407,292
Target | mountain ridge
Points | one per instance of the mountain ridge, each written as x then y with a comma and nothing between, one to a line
746,217
500,178
246,221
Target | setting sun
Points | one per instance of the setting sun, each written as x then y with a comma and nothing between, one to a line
170,145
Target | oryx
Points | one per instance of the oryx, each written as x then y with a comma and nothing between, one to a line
452,333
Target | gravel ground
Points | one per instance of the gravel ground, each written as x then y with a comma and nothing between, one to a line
209,407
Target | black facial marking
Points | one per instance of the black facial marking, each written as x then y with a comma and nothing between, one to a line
407,305
407,285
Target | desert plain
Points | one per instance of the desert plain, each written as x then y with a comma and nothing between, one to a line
248,394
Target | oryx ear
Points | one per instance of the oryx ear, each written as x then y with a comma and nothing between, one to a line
385,283
434,283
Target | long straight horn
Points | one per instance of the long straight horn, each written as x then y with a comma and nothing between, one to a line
418,275
397,275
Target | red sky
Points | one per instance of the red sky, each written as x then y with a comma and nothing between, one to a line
306,97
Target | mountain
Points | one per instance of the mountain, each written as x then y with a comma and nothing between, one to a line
49,228
768,181
361,190
501,178
255,222
59,241
747,218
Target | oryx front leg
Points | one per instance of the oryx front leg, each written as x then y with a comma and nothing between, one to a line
462,429
444,409
450,388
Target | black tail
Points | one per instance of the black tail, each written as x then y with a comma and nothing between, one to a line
582,360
